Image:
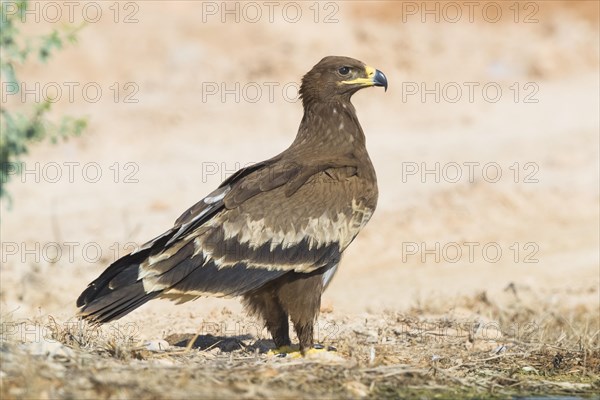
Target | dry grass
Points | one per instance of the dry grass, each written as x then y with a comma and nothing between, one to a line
495,351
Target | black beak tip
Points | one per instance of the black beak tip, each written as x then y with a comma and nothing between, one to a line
380,80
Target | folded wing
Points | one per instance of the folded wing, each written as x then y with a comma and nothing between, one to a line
249,231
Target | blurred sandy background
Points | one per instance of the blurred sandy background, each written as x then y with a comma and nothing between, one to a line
182,142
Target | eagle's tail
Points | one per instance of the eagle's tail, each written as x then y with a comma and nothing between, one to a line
116,292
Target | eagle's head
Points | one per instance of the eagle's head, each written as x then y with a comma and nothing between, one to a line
337,79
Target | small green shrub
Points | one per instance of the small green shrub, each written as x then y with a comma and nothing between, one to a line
29,123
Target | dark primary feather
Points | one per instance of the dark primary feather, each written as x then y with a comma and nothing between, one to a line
274,227
116,291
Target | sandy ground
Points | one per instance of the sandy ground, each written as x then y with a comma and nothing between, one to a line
479,192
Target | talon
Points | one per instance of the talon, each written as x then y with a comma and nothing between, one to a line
319,346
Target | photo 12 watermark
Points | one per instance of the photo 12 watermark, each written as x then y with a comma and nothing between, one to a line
469,92
70,172
57,12
519,172
461,331
28,331
70,92
64,252
470,252
252,12
453,12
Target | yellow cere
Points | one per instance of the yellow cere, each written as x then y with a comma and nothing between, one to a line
368,81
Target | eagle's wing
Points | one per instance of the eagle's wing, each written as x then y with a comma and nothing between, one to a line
264,221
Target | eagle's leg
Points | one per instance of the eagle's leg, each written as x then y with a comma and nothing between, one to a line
304,330
265,305
300,296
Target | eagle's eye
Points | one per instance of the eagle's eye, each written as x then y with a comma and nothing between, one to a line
344,70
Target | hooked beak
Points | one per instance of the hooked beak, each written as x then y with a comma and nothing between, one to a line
374,78
379,79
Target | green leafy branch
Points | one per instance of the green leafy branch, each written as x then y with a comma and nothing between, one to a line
19,129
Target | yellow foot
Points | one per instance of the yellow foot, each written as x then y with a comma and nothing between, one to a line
322,353
285,351
294,351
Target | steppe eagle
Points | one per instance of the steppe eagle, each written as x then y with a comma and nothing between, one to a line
274,232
